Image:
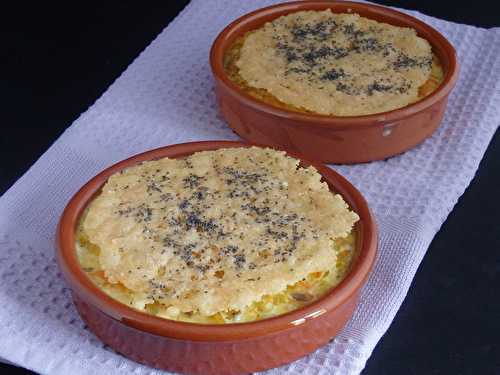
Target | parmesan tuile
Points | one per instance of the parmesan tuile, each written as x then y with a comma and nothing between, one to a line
336,64
217,231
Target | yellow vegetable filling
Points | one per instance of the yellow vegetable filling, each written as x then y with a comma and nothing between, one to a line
308,290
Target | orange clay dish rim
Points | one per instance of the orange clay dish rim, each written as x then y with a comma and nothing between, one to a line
82,285
440,43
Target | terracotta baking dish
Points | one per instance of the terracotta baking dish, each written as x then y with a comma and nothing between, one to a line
213,349
332,139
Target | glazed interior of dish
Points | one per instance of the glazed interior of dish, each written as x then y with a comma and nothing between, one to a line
226,236
333,64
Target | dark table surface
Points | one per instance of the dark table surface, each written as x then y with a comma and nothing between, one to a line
57,61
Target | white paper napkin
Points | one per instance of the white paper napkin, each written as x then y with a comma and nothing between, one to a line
166,97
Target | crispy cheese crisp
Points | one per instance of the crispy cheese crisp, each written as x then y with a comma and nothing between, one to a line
336,64
216,231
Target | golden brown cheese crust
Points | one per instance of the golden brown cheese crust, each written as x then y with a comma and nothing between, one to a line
336,64
216,231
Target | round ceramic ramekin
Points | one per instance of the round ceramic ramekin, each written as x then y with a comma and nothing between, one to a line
213,349
332,139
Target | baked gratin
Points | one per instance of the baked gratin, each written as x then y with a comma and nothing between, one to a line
333,64
232,235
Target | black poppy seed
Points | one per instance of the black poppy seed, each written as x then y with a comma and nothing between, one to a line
194,221
375,86
184,204
333,75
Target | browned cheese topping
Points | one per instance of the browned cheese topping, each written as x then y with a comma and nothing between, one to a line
336,64
215,231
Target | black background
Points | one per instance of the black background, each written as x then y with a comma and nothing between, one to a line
56,61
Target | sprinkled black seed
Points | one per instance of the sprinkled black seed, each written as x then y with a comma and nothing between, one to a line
315,54
333,75
203,268
231,249
346,89
375,86
255,209
166,197
367,45
319,31
403,61
194,221
239,260
184,204
153,186
192,181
